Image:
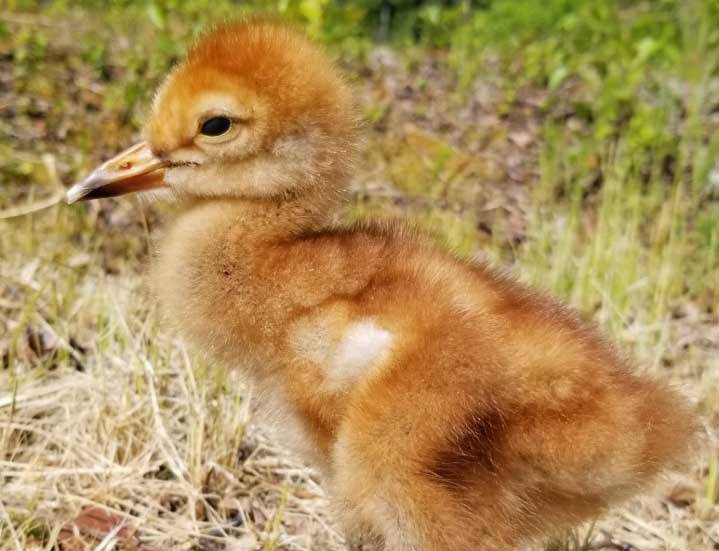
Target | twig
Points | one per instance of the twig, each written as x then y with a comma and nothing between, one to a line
49,161
24,210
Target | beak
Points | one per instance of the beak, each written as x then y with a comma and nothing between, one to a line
135,169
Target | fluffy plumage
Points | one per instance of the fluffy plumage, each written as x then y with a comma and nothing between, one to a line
449,408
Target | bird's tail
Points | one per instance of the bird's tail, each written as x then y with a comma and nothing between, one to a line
631,432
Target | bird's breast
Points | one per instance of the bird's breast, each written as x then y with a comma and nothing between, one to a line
205,282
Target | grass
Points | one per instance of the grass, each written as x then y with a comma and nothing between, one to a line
573,144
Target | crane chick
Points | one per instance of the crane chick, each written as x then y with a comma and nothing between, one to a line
448,407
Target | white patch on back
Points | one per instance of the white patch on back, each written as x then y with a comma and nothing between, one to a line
344,352
359,348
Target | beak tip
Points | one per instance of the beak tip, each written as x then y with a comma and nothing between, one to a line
73,195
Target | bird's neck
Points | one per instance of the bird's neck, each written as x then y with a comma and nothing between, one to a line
267,219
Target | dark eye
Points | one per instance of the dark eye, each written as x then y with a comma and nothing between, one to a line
216,126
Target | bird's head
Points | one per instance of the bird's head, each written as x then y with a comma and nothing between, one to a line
255,111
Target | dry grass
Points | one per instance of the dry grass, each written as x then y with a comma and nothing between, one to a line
135,428
101,406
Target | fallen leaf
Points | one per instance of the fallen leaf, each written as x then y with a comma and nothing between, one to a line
93,525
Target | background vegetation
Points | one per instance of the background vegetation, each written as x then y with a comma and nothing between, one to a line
572,143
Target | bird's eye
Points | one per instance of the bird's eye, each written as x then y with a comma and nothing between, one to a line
216,126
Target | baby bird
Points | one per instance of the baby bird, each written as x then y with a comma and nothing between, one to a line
448,407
